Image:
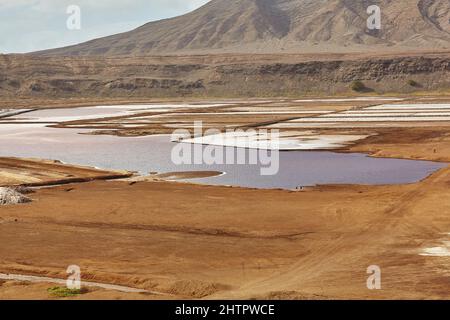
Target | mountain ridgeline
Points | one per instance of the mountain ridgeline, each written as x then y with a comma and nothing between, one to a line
282,26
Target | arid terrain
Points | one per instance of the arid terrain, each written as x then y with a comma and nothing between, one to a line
180,240
222,76
80,125
250,48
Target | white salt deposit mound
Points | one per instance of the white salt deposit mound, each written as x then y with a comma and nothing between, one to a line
9,196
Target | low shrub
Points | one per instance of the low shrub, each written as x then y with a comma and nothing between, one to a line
358,86
64,292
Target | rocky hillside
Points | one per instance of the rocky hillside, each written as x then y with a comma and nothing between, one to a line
275,26
232,76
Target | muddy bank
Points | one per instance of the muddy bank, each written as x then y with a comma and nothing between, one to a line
419,143
176,176
35,172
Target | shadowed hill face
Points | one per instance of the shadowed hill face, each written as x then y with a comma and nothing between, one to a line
273,26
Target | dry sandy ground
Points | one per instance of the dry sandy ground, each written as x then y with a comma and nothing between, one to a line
196,241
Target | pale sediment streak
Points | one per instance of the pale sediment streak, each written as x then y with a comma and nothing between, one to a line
373,119
351,99
295,141
402,111
409,106
11,112
400,114
442,250
436,251
243,113
378,116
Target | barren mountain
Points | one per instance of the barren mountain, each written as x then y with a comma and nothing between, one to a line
275,26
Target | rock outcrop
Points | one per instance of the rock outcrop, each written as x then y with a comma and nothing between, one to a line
10,196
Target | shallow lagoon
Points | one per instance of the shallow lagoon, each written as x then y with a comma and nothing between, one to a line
153,154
